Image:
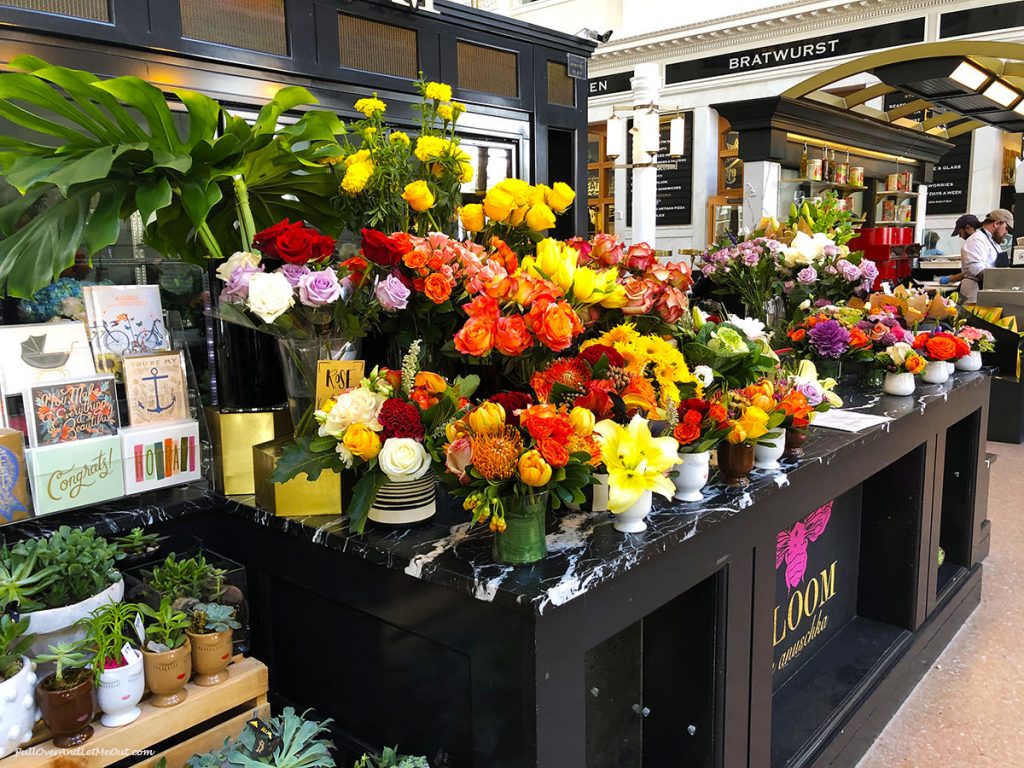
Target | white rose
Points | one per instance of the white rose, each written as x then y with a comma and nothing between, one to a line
237,259
704,375
752,328
357,406
270,296
403,459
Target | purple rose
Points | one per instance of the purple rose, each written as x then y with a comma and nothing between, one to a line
750,258
392,293
811,392
236,289
807,275
319,288
293,272
830,251
829,339
848,270
868,269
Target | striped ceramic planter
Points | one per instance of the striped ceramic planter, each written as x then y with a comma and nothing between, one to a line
404,503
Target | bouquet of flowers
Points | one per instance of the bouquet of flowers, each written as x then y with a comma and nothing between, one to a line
723,355
516,212
753,412
493,456
978,339
748,269
940,345
801,394
386,429
636,461
830,333
901,358
699,425
814,267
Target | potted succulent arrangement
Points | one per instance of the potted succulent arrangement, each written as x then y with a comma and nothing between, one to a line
167,653
116,663
209,631
67,696
136,546
288,740
57,581
389,758
901,364
18,712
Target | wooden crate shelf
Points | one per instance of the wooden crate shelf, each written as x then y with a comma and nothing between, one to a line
224,707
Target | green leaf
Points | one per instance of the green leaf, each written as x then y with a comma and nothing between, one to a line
151,197
151,102
287,98
104,225
91,166
203,113
11,213
28,171
198,198
173,160
295,460
363,494
38,252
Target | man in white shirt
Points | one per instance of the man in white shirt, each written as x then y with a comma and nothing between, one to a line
979,252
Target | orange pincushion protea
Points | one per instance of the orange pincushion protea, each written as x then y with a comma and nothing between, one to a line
572,373
495,456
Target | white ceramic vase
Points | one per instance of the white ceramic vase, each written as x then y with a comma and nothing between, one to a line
936,372
691,476
600,490
18,711
970,363
900,384
632,520
767,456
119,692
405,503
58,625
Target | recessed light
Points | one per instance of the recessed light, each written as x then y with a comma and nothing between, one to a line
969,75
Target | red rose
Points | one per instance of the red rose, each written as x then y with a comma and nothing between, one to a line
592,354
323,247
400,419
380,249
296,245
640,257
266,240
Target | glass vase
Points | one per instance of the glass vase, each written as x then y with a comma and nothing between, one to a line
299,358
524,539
870,376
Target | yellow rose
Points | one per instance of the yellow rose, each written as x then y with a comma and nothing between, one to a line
533,470
540,217
559,197
538,192
371,106
356,177
582,420
519,215
418,195
472,217
362,441
518,188
487,419
398,137
438,91
498,204
444,111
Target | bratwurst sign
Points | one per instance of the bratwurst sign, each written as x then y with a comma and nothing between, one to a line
798,52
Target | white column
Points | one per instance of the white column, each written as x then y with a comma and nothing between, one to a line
986,171
646,82
922,212
760,192
705,171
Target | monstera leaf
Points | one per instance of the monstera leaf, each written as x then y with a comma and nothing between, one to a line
112,147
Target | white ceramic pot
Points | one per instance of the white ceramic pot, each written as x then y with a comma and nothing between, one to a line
405,503
18,711
767,456
632,520
900,384
120,691
936,372
691,476
970,363
57,625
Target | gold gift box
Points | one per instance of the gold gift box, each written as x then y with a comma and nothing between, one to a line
299,496
234,435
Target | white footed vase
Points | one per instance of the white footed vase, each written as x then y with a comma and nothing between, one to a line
767,456
971,362
631,520
936,372
899,384
691,476
18,711
119,692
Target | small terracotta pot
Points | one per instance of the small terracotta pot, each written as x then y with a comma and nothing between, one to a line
211,654
735,463
167,673
68,712
795,443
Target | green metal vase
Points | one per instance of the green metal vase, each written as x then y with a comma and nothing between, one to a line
524,539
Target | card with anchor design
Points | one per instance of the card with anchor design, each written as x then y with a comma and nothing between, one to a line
155,387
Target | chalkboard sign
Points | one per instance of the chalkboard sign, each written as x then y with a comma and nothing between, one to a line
675,180
817,561
951,177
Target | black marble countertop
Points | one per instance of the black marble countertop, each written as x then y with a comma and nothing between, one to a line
584,549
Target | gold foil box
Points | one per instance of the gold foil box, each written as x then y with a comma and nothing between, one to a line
299,497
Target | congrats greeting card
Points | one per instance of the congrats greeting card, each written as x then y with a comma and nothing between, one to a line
123,320
160,455
71,410
76,474
47,352
13,477
155,388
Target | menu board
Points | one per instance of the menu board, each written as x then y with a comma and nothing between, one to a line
675,180
951,177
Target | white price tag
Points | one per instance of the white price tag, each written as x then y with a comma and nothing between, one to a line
140,628
129,653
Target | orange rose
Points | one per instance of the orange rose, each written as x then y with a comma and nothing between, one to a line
423,399
858,338
483,308
544,421
688,429
511,337
437,288
920,340
914,363
356,267
963,349
555,323
639,395
415,259
475,338
431,382
795,405
553,451
941,346
718,414
797,335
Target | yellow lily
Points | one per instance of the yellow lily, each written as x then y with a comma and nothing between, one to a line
636,461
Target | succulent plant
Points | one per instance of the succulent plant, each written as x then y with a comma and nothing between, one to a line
14,644
166,625
212,617
82,561
68,657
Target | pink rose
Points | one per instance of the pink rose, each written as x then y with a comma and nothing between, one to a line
676,274
640,257
458,457
582,247
672,304
641,294
606,250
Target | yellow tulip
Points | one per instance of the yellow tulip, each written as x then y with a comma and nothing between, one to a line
615,298
465,172
498,204
455,429
533,470
540,217
556,262
362,441
584,285
487,419
472,217
418,195
582,420
559,197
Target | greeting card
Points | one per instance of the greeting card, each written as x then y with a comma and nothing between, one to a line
123,320
46,352
160,455
76,474
13,477
155,387
72,410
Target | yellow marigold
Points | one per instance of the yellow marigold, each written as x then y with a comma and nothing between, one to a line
458,107
466,173
356,177
362,156
445,112
438,91
371,106
430,148
398,137
369,131
495,456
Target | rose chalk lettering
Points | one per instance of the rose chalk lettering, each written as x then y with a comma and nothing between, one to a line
68,483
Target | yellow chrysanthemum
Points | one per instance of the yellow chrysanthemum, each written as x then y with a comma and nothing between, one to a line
356,177
371,106
438,91
398,137
445,112
430,148
362,156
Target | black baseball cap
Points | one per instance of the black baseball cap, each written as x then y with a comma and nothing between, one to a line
967,220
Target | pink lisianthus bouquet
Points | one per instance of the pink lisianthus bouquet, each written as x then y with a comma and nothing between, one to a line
978,339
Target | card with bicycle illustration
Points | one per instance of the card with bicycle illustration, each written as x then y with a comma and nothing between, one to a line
72,410
123,320
155,387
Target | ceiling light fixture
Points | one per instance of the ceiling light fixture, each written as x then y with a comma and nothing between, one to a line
1001,93
969,75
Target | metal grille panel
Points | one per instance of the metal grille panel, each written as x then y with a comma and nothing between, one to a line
561,87
94,10
256,25
376,47
488,70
